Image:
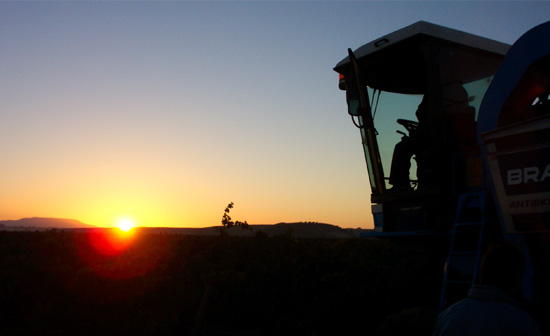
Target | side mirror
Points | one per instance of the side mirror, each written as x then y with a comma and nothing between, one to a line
353,100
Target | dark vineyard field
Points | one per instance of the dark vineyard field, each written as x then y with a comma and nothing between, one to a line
59,283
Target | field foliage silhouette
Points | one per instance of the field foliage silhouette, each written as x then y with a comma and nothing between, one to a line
215,285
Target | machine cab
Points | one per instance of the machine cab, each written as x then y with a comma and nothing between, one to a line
415,95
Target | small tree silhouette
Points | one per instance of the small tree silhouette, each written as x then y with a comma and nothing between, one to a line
228,223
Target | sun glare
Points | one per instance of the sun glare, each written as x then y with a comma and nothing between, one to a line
125,224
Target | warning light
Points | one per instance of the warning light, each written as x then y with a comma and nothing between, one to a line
342,83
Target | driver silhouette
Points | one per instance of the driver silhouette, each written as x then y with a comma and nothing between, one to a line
405,149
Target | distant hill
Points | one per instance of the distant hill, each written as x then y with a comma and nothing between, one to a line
41,222
297,230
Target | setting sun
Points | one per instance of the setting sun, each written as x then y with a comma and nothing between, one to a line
125,224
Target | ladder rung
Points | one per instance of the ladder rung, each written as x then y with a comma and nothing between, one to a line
468,223
464,253
472,202
459,282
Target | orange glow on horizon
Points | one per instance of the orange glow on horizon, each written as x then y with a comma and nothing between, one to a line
112,253
109,242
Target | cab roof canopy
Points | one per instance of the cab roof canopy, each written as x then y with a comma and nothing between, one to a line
397,62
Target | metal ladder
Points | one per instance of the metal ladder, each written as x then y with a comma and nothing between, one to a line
461,270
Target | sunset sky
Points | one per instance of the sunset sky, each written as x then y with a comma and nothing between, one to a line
167,111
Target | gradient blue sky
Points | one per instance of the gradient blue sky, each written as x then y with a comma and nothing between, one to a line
167,111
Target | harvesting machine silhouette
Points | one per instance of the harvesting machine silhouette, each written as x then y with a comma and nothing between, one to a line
472,162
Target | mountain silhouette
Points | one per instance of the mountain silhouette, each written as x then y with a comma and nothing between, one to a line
41,222
296,230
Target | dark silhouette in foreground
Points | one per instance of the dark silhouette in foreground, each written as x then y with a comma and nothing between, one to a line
492,307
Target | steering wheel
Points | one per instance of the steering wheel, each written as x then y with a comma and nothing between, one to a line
409,125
